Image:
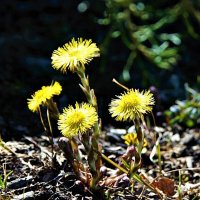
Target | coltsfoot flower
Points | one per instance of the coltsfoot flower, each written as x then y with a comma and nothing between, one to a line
131,139
77,120
41,96
74,54
131,105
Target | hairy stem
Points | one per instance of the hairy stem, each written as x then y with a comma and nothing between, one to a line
94,160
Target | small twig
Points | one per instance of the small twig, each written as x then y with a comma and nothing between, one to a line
49,122
140,196
2,144
50,137
175,170
153,117
42,121
42,149
44,126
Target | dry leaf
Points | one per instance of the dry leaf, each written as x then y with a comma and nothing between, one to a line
164,184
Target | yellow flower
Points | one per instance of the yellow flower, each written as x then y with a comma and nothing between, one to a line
41,96
77,120
131,139
131,105
74,54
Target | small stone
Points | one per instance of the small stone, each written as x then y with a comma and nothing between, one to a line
189,161
78,182
25,196
19,183
131,129
187,139
159,129
103,170
118,131
175,138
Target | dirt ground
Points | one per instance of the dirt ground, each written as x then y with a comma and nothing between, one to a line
34,177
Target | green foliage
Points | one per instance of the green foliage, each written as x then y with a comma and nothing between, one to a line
186,112
2,185
148,31
3,181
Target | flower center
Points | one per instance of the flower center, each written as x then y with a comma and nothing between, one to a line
130,103
78,118
76,52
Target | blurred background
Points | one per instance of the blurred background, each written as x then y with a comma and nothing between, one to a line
145,44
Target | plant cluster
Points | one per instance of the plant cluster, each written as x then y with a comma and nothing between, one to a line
154,36
4,178
80,124
185,112
132,23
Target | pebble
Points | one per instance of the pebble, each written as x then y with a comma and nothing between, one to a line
176,137
189,161
159,129
131,129
118,131
20,182
24,196
187,138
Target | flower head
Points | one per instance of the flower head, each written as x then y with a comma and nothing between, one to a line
74,54
77,120
131,105
131,139
41,96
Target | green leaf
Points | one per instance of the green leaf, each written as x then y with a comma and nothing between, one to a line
2,185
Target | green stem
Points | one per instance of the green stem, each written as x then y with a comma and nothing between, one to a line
42,121
51,136
94,160
49,122
159,156
47,131
141,180
179,186
53,109
140,136
70,149
86,86
89,93
134,175
119,84
114,164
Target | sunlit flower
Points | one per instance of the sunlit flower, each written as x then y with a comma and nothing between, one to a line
74,54
77,120
41,96
131,105
131,139
50,91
